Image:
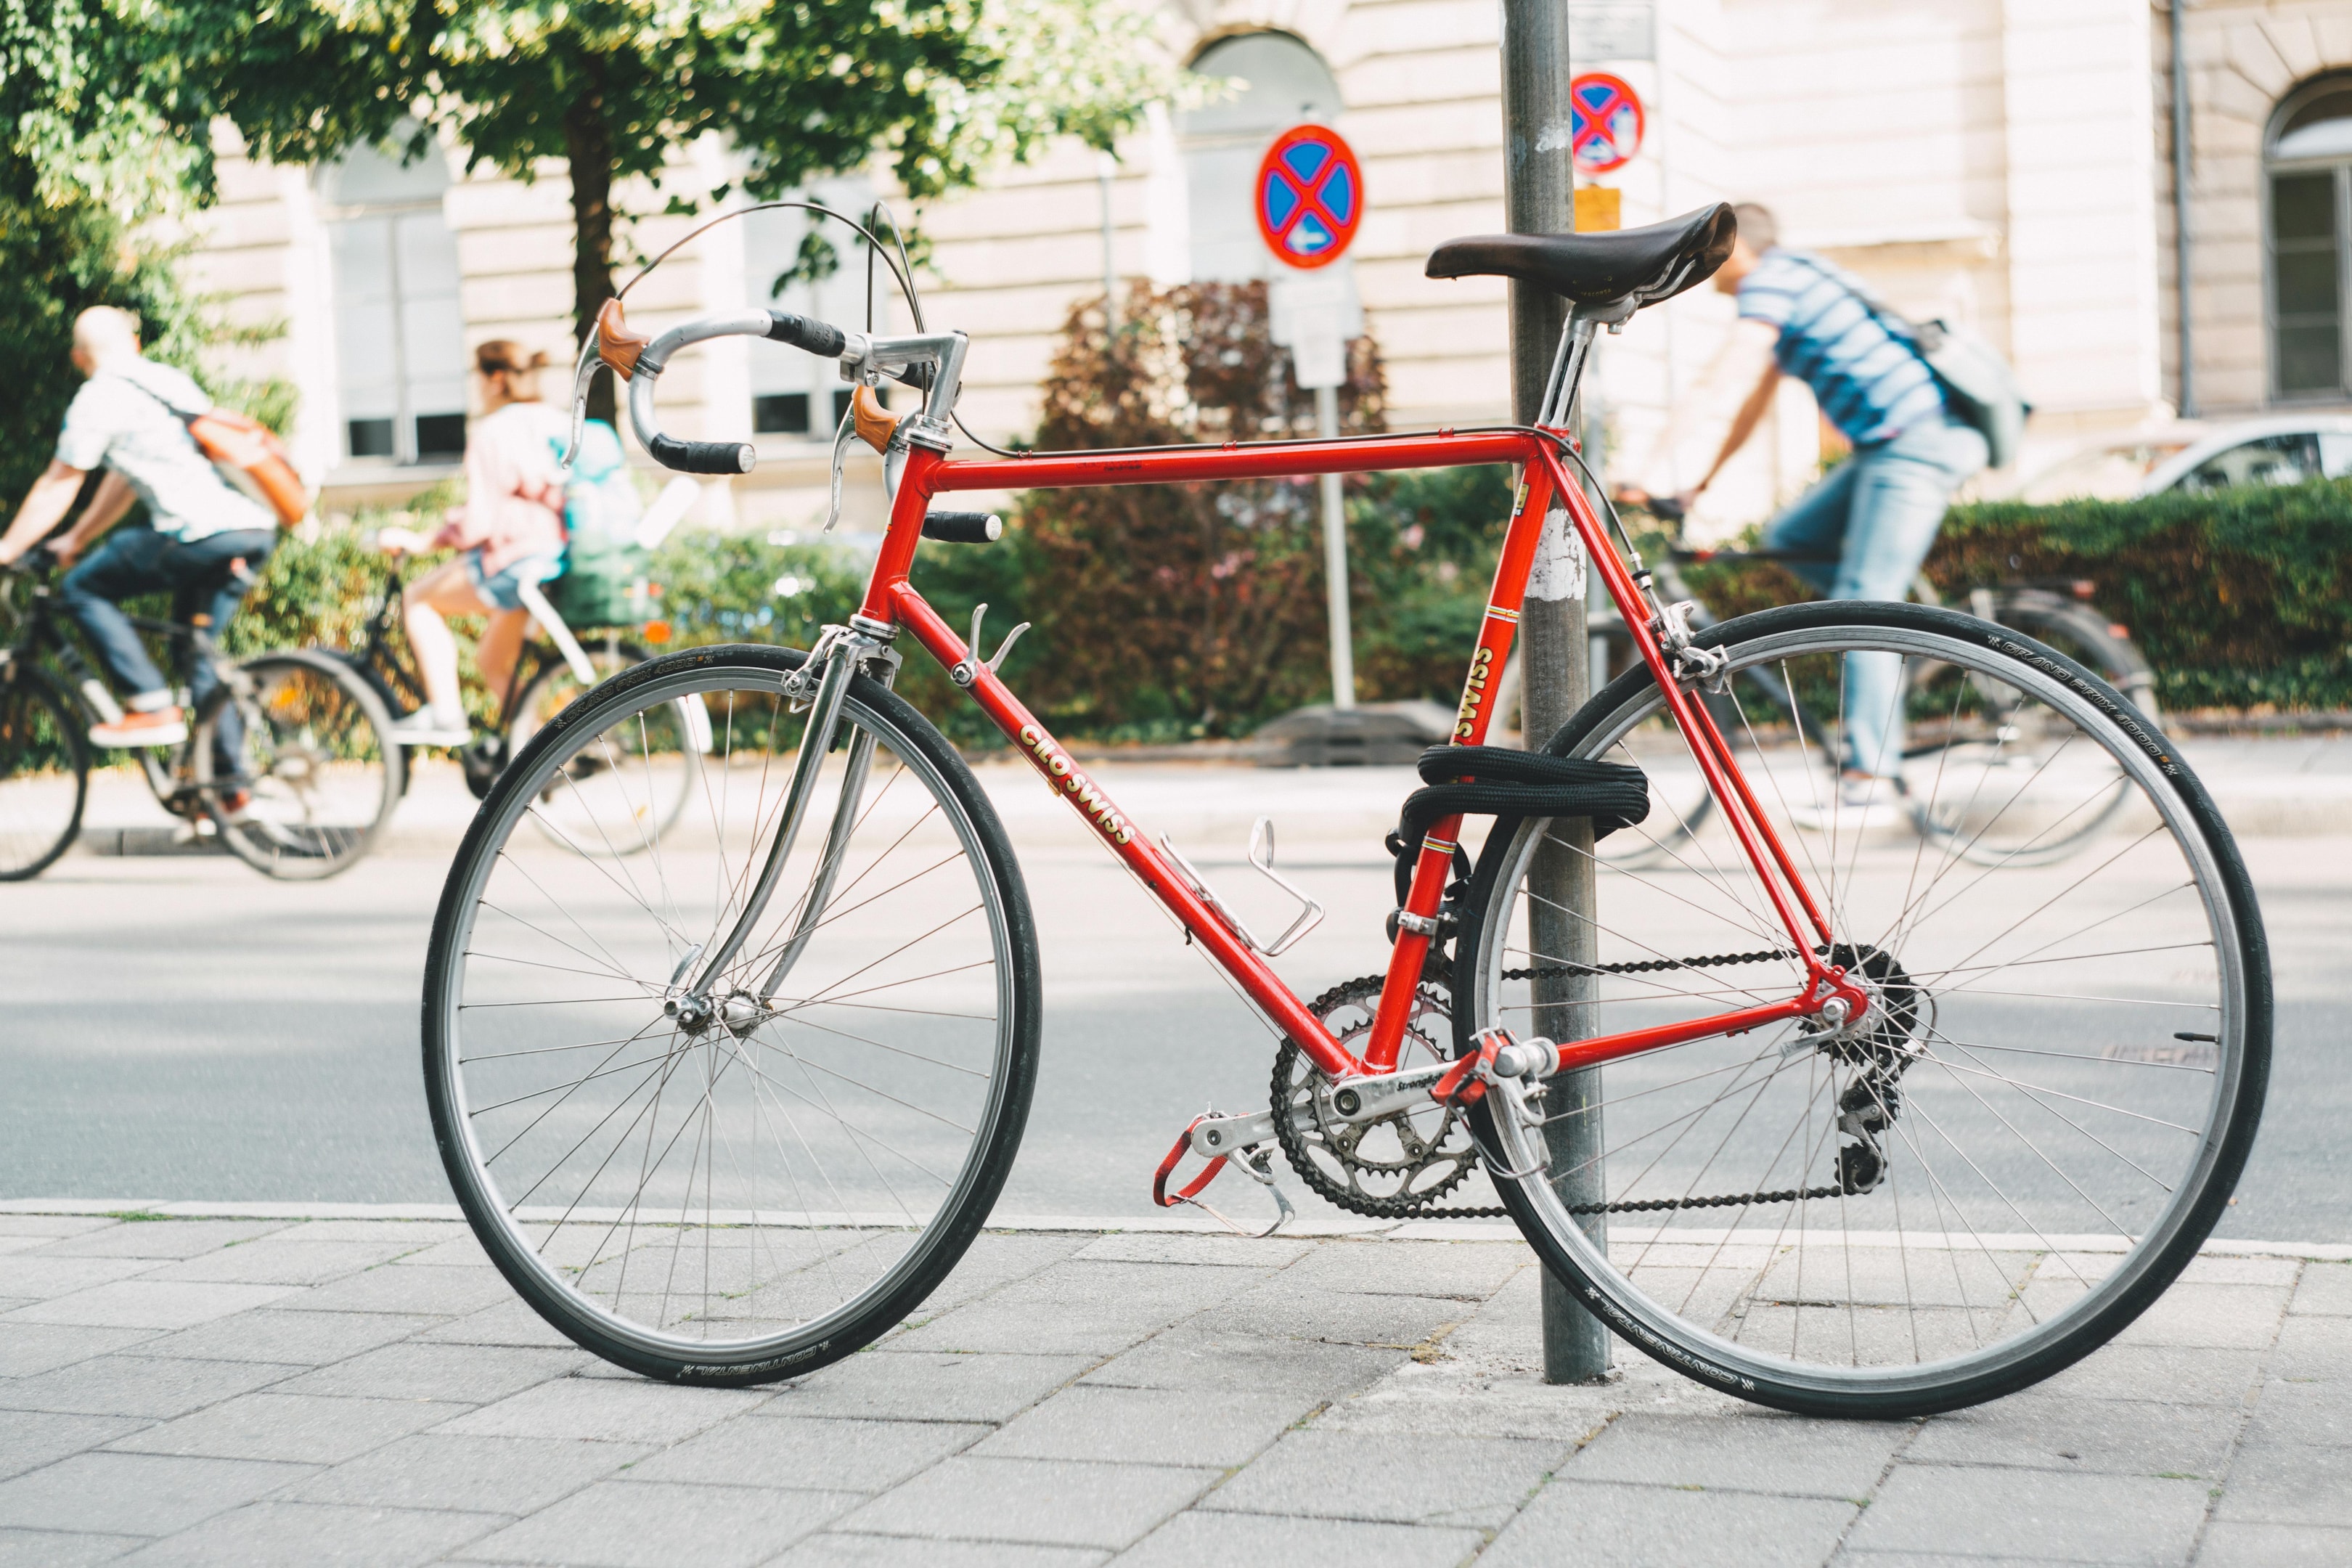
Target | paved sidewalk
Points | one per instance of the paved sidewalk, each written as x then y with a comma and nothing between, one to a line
368,1391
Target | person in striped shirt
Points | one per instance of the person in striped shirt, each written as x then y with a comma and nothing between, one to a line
1873,516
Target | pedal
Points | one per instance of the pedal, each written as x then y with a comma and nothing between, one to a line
1210,1131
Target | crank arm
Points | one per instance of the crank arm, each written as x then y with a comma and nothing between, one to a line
1373,1098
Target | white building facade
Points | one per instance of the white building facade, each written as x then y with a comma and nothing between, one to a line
2008,165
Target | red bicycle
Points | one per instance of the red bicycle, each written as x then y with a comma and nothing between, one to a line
1806,1106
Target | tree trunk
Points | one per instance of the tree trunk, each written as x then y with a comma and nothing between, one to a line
588,147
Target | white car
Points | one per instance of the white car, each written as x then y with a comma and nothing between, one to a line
2189,456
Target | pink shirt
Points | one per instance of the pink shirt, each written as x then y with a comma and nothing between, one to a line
514,487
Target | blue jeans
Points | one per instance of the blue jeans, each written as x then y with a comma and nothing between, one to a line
1877,513
135,561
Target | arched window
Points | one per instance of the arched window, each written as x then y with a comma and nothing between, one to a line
2310,159
400,335
1281,82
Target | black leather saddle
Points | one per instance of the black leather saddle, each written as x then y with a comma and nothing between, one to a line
1643,265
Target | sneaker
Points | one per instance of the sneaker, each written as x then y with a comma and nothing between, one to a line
426,727
1863,800
163,727
232,804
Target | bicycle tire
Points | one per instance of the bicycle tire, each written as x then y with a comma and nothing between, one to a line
325,727
466,986
2038,1324
35,719
554,687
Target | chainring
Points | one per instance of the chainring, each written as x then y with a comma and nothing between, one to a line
1415,1156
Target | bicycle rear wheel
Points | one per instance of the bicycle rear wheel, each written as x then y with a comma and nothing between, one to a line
643,775
312,755
44,772
755,1195
1992,1171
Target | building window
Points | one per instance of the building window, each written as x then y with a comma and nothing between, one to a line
2310,159
791,391
400,347
1281,83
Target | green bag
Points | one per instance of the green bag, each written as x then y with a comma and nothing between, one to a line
603,580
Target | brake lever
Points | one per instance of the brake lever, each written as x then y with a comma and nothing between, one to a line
841,440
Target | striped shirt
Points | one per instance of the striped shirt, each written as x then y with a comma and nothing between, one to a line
1869,382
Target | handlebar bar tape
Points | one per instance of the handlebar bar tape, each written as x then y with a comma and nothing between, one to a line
820,338
963,527
702,456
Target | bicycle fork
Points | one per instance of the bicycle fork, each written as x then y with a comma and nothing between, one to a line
825,680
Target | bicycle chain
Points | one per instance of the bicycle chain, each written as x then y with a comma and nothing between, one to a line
1294,1144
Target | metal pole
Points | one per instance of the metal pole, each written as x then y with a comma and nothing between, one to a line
1105,168
1540,192
2180,278
1335,560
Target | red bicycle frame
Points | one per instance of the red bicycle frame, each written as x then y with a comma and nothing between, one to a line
1544,484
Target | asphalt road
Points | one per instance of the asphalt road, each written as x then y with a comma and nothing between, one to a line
179,1028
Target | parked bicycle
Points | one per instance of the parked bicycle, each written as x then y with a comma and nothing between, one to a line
1985,730
1830,1124
647,780
285,766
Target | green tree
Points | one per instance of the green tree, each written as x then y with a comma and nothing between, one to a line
611,88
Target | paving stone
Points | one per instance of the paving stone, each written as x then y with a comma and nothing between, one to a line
445,1292
412,1234
651,1524
2325,1291
1211,1251
508,1323
1192,1538
42,1279
1080,1309
270,1334
2112,1437
2021,1513
276,1262
149,1304
455,1251
471,1374
2232,1544
9,1244
1469,1271
1606,1524
292,1426
2210,1317
29,1348
833,1550
139,1385
54,1225
607,1410
489,1475
912,1385
2242,1271
299,1535
2167,1376
1148,1425
1213,1360
2314,1349
1755,1451
34,1438
137,1494
2314,1414
817,1452
1052,1502
1334,1474
51,1548
1451,1400
2274,1482
162,1239
995,1259
1299,1311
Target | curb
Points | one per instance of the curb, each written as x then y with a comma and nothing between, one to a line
1327,1230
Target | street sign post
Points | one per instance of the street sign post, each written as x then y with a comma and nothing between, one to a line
1309,197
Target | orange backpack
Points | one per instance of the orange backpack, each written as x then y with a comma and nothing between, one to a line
250,451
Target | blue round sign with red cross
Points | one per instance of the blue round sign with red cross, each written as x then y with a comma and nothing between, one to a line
1310,196
1606,129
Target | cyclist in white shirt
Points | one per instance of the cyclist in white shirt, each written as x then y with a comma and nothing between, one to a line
206,541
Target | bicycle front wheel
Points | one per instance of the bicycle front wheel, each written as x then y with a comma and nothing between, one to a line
1994,1168
298,769
642,776
44,772
756,1195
